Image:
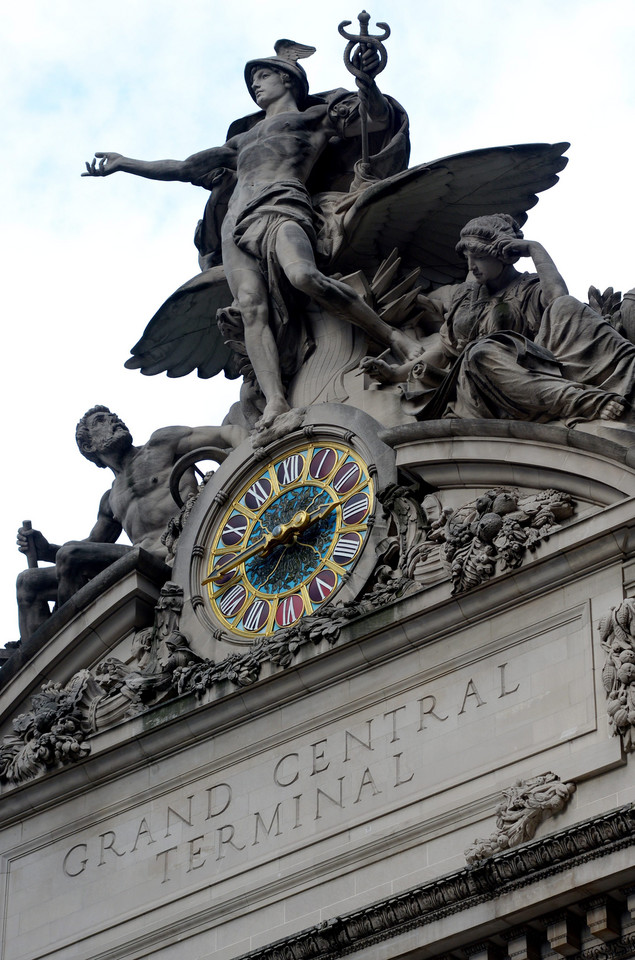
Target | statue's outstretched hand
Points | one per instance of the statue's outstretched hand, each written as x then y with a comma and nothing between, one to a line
32,541
108,163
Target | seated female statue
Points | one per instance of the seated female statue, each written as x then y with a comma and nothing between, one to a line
513,345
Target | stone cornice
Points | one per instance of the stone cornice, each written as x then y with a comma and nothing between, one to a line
615,444
490,880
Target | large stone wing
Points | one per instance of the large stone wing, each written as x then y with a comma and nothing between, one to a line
421,211
183,335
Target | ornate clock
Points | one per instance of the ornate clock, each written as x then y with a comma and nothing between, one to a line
281,532
289,538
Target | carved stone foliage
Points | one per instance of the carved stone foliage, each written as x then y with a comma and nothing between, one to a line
52,734
494,532
55,731
617,632
282,648
524,806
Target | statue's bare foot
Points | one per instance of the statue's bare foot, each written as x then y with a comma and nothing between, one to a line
613,410
404,347
281,426
273,409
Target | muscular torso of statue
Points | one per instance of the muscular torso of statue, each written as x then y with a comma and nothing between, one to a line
140,498
283,147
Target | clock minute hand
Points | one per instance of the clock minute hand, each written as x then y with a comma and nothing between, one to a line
324,510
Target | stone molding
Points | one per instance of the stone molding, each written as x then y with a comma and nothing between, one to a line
487,881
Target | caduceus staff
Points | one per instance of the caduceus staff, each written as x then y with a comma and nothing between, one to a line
353,54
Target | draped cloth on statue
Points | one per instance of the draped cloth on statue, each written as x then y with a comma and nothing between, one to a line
254,229
499,371
588,348
334,170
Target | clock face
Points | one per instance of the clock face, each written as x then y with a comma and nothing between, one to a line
289,538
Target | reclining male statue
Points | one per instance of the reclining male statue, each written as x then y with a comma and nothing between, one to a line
139,503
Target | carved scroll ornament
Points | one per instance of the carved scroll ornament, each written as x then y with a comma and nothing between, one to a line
524,806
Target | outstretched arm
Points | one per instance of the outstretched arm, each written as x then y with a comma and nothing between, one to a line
551,281
171,443
228,436
106,530
186,171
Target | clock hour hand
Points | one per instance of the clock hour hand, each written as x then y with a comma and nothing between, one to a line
224,568
282,533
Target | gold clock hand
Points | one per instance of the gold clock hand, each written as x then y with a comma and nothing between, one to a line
251,551
281,533
324,510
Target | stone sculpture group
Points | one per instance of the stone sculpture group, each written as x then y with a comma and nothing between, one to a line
317,237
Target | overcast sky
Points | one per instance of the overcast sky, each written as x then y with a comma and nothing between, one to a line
87,262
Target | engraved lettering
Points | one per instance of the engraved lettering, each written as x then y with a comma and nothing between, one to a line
432,700
66,867
224,839
367,781
186,820
321,793
504,691
318,756
166,854
297,811
398,777
278,772
108,845
352,736
143,829
211,798
471,691
195,852
393,714
261,823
